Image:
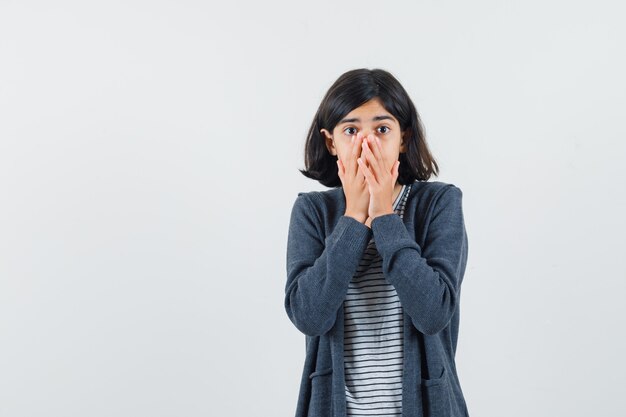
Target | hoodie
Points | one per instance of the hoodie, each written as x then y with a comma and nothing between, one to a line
424,255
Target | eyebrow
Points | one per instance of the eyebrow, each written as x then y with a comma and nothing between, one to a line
374,119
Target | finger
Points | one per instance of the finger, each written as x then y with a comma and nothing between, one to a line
396,171
366,171
354,154
371,160
360,178
377,150
340,169
359,173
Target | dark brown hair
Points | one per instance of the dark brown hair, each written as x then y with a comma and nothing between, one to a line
351,90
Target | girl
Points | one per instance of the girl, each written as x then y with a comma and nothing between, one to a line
375,264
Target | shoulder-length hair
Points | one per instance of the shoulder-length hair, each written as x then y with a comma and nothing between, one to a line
351,90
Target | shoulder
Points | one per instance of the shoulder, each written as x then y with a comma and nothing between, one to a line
433,190
317,205
321,200
430,199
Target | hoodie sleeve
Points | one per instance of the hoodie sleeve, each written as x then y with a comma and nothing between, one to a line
319,270
426,279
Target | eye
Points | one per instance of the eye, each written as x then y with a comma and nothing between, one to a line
350,134
351,130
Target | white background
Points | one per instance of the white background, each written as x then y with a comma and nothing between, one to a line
148,166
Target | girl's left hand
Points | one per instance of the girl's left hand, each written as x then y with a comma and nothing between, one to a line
380,179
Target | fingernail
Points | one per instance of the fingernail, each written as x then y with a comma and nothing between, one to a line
352,140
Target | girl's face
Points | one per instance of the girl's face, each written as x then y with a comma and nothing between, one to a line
371,117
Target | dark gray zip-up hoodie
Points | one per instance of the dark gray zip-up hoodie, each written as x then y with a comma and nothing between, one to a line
424,257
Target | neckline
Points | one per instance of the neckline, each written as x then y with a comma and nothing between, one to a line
396,203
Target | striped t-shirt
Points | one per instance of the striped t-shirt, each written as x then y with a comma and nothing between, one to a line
373,336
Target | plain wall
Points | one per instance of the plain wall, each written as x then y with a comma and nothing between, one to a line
149,156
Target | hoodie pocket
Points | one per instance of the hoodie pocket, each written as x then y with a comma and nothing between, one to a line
321,393
436,397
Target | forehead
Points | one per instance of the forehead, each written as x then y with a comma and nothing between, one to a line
372,111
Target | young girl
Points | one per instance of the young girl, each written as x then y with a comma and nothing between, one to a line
375,264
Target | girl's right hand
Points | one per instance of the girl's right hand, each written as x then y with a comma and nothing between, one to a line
354,184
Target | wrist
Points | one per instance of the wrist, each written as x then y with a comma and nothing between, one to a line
383,213
357,217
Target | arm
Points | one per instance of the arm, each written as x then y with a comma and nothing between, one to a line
427,279
318,272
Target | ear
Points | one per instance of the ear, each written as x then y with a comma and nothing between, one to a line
329,141
404,140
